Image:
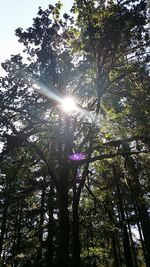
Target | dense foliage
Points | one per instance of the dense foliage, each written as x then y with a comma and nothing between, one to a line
93,211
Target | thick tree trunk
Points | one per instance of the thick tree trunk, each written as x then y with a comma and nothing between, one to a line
75,234
126,245
131,240
145,224
63,256
134,169
76,248
125,236
39,252
140,233
115,253
17,238
119,253
4,217
64,227
3,227
50,228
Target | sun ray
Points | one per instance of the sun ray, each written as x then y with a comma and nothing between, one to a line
68,104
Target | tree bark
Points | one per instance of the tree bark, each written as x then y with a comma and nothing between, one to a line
64,227
3,227
115,253
17,238
40,235
134,169
50,227
76,248
140,233
75,233
131,239
145,224
125,236
5,214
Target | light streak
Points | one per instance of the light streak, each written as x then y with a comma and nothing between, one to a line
67,103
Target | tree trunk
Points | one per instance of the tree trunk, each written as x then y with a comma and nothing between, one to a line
4,219
125,236
17,238
115,253
145,224
75,233
135,169
131,238
50,227
3,227
76,248
140,233
40,235
64,227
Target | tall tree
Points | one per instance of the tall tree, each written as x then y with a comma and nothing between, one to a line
98,55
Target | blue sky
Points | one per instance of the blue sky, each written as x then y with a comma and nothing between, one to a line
19,13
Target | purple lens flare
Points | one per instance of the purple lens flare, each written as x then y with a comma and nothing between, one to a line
77,156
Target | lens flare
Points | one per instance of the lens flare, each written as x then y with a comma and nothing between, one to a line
68,104
77,156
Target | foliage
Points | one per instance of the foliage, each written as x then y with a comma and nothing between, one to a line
59,212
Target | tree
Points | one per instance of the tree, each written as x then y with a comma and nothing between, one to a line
98,54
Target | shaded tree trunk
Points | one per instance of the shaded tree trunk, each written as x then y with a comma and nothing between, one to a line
42,211
145,225
49,255
17,239
131,239
125,236
7,194
115,253
140,233
75,231
76,248
119,253
64,227
135,169
4,219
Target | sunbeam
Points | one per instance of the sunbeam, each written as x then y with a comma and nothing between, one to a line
43,90
67,103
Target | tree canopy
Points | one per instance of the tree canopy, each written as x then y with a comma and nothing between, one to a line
74,187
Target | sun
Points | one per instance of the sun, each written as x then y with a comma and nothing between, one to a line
68,104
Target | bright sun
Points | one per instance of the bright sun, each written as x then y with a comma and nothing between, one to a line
68,104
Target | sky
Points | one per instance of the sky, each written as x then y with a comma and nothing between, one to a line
19,13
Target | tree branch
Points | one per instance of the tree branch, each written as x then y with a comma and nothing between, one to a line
107,156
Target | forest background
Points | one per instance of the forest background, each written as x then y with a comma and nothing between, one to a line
74,187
